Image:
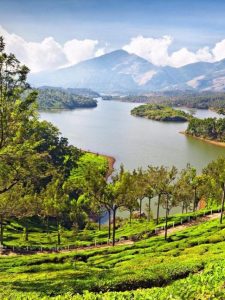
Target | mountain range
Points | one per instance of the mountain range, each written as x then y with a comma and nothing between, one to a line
120,71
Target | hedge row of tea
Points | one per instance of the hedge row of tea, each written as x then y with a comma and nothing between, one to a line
190,265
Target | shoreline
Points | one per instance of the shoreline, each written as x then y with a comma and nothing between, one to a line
111,161
216,143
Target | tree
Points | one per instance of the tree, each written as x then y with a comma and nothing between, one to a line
183,190
130,201
116,193
17,114
55,202
160,181
216,170
167,191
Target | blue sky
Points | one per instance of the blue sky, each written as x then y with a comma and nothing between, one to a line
113,23
191,23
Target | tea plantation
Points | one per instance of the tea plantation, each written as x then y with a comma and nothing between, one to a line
189,265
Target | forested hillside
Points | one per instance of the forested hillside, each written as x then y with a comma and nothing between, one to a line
203,100
58,98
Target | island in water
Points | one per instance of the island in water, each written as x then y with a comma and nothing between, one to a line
160,112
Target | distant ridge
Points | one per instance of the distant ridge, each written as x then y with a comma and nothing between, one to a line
119,71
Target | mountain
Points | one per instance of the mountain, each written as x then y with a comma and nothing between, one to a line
114,71
120,71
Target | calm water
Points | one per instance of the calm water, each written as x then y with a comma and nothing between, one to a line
133,141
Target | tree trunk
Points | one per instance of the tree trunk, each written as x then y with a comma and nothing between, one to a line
167,200
26,233
1,233
59,234
182,207
114,226
109,224
149,208
99,221
195,199
157,219
140,208
222,204
130,216
47,224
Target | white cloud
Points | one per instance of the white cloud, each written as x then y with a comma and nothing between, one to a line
156,50
219,50
49,54
78,50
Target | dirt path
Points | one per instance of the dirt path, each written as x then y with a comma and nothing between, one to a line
189,224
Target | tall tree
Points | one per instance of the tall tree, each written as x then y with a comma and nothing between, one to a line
216,170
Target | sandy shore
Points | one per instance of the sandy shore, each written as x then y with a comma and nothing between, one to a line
216,143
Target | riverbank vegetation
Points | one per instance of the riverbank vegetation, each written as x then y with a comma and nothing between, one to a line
159,112
54,195
210,128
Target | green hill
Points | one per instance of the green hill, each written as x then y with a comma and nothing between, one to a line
58,98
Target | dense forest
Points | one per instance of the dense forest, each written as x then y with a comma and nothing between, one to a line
53,197
58,98
210,128
159,112
203,100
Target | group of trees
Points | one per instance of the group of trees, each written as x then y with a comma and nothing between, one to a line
59,98
42,175
210,128
201,100
168,187
34,158
160,112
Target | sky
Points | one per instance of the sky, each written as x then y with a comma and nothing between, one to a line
50,34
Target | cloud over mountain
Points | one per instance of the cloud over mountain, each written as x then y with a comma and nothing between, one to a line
156,51
49,54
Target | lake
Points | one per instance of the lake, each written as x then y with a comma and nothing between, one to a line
135,142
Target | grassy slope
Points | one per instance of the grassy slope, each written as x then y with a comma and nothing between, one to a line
39,238
189,266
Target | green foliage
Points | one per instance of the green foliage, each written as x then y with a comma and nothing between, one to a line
58,98
189,266
210,128
160,113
